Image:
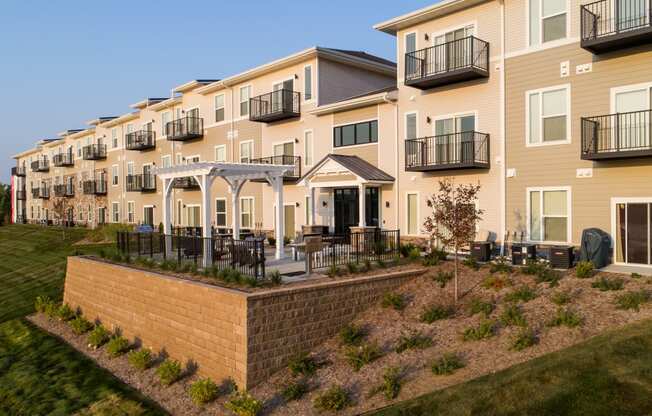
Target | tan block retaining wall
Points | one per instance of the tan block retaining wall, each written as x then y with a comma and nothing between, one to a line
228,333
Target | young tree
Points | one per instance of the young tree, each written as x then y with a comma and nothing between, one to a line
60,206
454,217
5,203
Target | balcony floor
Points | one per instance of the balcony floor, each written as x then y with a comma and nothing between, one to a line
623,154
276,116
448,166
617,41
446,78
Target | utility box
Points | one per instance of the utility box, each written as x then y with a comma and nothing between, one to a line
481,251
522,253
561,257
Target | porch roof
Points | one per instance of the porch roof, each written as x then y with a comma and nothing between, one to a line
238,171
355,165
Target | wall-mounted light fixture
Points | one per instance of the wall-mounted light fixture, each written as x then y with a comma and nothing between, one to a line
386,204
297,205
296,140
296,76
426,37
324,204
428,120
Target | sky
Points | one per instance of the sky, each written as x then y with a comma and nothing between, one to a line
63,63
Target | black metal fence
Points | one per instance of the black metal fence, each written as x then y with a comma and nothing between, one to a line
614,17
245,256
41,165
141,183
279,102
94,187
185,128
357,247
621,132
63,159
140,140
94,152
465,149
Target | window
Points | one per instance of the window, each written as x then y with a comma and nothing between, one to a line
80,213
308,148
360,133
79,151
246,151
114,138
130,128
245,94
412,214
307,82
411,126
410,42
220,212
114,175
130,211
549,214
90,213
166,161
165,119
246,212
220,153
219,108
547,20
547,116
130,168
177,215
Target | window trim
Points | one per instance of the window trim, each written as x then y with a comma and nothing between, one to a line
407,212
251,213
614,202
144,208
405,124
133,221
163,124
164,157
312,88
569,118
219,146
459,114
251,155
569,212
540,42
251,94
628,88
312,150
453,28
113,217
116,176
355,123
215,108
416,40
226,212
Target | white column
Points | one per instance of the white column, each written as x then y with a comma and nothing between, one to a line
206,219
313,204
235,186
361,207
280,217
167,211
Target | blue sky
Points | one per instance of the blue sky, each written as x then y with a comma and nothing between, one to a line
65,62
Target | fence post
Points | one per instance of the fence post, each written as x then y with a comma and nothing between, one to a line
127,239
151,245
357,247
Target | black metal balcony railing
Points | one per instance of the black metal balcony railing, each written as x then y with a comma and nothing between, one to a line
21,218
612,24
455,61
141,183
465,150
35,192
44,192
94,152
185,183
63,159
186,128
18,171
94,187
275,106
141,140
617,136
41,165
66,190
283,160
21,194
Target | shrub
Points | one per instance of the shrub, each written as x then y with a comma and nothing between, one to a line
438,253
352,334
478,305
394,300
584,269
250,281
447,364
549,276
513,315
565,317
65,313
501,265
80,325
203,391
443,278
271,241
303,364
169,371
484,330
381,263
560,298
429,260
352,268
534,267
415,254
333,399
471,263
605,283
496,282
524,338
391,385
405,249
117,346
413,340
244,404
333,271
367,265
51,309
98,337
295,390
275,277
632,300
636,275
436,312
140,359
359,356
41,303
522,294
168,265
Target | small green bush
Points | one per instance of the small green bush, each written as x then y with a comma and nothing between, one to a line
430,261
436,312
524,338
636,275
513,315
295,390
80,325
605,283
244,404
447,364
484,330
117,346
391,385
471,263
168,265
140,359
352,268
302,364
565,317
405,249
442,278
271,241
584,269
98,337
394,300
169,371
500,265
381,263
359,356
521,294
438,253
561,298
203,391
333,271
65,313
333,399
352,334
550,276
478,305
41,303
367,265
275,277
632,300
496,282
412,340
415,254
534,267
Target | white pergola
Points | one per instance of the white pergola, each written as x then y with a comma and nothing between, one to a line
235,175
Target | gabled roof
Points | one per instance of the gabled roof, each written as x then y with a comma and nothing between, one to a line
367,99
364,55
355,165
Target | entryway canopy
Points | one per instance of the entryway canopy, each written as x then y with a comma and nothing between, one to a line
235,175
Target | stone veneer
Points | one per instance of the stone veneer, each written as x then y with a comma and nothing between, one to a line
227,332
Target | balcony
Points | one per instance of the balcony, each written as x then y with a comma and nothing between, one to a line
63,159
94,152
21,194
64,190
141,140
608,25
41,165
94,187
35,192
185,183
186,128
465,150
18,171
141,183
282,160
21,218
44,192
455,61
275,106
617,136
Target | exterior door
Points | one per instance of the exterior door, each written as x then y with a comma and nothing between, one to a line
282,96
346,209
454,54
633,222
372,217
284,153
148,216
631,14
632,130
194,216
453,141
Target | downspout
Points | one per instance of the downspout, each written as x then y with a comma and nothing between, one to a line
503,111
396,143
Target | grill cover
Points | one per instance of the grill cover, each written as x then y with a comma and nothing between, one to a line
595,247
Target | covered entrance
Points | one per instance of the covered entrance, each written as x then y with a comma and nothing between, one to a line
632,230
347,210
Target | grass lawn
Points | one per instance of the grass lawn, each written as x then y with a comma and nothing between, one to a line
608,375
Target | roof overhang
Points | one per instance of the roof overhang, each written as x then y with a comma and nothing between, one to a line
355,103
100,120
119,120
329,172
165,104
191,85
26,153
239,171
146,103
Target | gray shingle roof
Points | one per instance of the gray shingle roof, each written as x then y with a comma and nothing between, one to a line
357,166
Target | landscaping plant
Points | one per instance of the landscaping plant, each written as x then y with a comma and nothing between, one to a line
447,364
524,338
632,300
359,356
98,337
521,294
496,282
442,278
352,334
391,385
244,404
565,317
584,269
560,298
471,263
203,391
412,340
436,312
65,313
605,283
478,305
394,300
140,359
513,315
41,303
352,268
80,325
501,265
636,275
169,371
295,390
333,271
484,330
302,364
333,399
117,346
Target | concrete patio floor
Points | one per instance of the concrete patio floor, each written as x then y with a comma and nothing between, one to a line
614,268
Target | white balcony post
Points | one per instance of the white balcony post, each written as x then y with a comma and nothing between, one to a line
206,182
235,185
361,206
313,204
167,209
277,183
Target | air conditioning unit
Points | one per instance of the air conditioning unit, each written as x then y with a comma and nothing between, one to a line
481,251
561,257
522,252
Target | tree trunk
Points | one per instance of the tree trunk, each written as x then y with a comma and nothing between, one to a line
456,281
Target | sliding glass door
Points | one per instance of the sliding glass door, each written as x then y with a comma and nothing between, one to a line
633,222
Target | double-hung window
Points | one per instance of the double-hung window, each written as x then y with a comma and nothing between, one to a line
308,147
114,175
549,213
246,212
114,138
130,211
219,108
307,79
220,153
245,94
410,42
352,134
220,212
547,20
166,161
165,119
547,115
246,151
